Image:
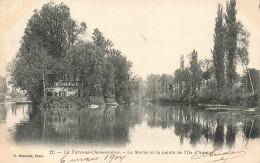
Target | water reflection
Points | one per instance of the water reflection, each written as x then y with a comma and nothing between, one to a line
251,128
219,134
3,113
116,126
12,114
231,134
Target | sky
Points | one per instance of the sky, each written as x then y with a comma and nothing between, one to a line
152,34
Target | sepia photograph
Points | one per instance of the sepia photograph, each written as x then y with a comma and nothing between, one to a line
129,81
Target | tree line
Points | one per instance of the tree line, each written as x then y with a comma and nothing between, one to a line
214,80
55,46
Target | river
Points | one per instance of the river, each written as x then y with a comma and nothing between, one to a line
130,126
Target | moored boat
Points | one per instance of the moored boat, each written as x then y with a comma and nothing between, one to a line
112,104
93,106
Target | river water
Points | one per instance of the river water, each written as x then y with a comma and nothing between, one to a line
130,126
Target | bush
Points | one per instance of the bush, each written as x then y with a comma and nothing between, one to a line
96,100
165,98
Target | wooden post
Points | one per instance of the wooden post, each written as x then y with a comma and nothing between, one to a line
43,81
250,80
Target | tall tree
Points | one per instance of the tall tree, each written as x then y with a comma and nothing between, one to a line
181,74
231,41
195,71
219,51
242,44
121,75
178,81
109,84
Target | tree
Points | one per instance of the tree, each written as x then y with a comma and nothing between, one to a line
28,69
178,81
164,81
183,79
53,29
79,58
179,75
186,78
121,75
3,88
103,66
109,84
3,85
136,89
231,41
170,90
49,34
255,76
207,70
219,51
152,82
195,71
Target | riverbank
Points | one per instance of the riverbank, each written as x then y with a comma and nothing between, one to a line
76,102
216,109
246,101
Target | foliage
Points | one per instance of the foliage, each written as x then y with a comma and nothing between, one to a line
219,51
52,50
27,70
231,41
53,29
3,85
48,36
213,81
246,81
242,44
16,94
159,86
196,72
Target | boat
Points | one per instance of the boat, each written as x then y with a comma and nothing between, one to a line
131,104
223,109
230,109
122,103
212,109
112,104
93,106
250,110
211,105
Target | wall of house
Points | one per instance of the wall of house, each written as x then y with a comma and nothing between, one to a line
63,91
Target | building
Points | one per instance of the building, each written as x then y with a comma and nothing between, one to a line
63,87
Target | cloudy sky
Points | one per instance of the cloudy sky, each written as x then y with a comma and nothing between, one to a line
153,34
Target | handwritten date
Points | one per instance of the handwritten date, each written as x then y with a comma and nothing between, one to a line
107,158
